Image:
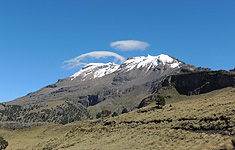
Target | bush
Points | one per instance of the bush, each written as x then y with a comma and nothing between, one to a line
160,101
114,114
103,113
98,115
124,111
3,143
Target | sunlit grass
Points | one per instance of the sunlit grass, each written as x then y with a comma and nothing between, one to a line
204,121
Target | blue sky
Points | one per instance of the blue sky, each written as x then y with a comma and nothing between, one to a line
37,36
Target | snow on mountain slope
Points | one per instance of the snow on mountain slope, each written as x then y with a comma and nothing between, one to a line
149,62
97,70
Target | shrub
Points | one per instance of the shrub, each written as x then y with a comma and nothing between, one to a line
114,114
98,115
103,113
160,101
124,111
3,143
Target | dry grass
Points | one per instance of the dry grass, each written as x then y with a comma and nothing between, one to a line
204,121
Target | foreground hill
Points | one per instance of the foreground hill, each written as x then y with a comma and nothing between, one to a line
205,121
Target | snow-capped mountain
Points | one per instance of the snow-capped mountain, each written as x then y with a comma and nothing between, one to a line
97,70
100,86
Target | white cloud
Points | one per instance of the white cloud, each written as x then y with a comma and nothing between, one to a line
129,45
77,61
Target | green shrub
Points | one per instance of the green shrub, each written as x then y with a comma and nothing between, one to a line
160,101
3,143
124,111
98,115
103,113
114,114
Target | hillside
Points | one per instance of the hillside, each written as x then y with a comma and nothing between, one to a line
61,112
190,83
204,121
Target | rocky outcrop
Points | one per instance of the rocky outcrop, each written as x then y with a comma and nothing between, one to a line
90,100
232,70
194,83
189,82
120,79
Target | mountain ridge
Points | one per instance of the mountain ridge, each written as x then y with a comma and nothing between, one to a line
97,70
114,87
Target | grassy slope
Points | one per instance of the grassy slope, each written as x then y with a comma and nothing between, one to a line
117,104
205,121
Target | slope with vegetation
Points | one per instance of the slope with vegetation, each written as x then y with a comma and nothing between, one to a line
63,113
205,121
191,83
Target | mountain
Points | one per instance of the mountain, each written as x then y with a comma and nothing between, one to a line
99,86
199,110
97,70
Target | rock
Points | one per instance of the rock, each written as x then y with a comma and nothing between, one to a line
189,82
90,100
51,86
194,83
232,70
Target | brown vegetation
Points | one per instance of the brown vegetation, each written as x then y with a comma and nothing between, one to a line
204,121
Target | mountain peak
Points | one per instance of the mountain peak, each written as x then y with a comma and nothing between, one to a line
97,70
150,62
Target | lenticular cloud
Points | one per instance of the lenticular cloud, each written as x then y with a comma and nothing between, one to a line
78,61
129,45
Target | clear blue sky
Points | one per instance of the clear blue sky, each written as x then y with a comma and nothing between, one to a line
36,36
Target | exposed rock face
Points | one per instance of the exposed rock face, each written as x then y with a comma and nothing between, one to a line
199,82
193,83
90,100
